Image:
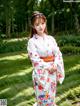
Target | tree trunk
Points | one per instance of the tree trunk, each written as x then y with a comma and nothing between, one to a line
77,27
53,23
26,26
12,24
29,24
22,27
8,23
75,17
8,27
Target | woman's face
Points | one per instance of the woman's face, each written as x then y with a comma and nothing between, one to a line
39,25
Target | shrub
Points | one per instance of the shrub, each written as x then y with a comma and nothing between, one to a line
19,34
70,50
12,46
68,40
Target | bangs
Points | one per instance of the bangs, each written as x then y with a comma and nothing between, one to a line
39,20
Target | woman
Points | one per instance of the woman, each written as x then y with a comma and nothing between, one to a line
47,62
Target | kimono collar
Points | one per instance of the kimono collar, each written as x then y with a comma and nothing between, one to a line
39,37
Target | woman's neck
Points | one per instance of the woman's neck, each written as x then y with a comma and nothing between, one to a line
41,34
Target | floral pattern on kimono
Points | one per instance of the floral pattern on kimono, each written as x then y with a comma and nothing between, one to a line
45,82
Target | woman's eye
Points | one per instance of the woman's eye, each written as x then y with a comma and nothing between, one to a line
37,24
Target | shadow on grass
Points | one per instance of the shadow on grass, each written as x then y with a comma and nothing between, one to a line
72,77
13,66
20,99
17,87
16,80
71,61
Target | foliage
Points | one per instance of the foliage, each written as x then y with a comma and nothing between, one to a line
68,40
20,34
12,46
15,15
70,50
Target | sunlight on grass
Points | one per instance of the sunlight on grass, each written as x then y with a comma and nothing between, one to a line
65,94
16,79
71,61
14,57
16,39
77,66
2,77
26,103
66,103
22,72
5,90
28,91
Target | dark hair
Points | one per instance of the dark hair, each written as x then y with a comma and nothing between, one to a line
35,15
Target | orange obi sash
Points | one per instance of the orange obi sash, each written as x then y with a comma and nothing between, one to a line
48,58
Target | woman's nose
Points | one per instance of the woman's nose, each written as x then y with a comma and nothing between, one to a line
40,26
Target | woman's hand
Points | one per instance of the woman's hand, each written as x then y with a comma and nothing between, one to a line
52,69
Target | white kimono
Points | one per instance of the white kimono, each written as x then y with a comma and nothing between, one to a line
45,82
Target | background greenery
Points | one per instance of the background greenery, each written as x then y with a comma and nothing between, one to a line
68,44
62,17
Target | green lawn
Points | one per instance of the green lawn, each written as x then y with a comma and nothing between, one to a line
16,81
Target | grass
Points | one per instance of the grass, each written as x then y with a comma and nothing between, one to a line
16,80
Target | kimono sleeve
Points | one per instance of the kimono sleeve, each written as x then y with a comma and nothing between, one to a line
34,56
58,62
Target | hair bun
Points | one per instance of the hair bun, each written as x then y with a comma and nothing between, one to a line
36,13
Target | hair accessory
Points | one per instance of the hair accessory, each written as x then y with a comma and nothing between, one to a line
36,14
